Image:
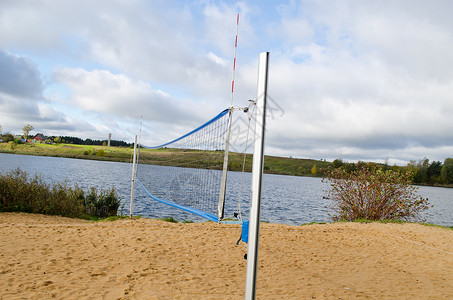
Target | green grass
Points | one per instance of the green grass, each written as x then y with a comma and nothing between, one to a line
433,225
169,219
313,223
113,218
379,221
398,222
364,221
119,154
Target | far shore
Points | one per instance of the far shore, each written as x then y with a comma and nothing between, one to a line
273,164
45,257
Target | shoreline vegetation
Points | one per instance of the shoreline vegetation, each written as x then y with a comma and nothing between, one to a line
22,193
434,174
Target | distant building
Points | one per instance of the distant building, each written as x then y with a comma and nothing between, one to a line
38,138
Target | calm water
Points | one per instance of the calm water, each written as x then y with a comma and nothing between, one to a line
285,199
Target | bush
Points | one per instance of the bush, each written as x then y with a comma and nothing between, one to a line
11,145
19,193
100,152
103,204
8,137
373,194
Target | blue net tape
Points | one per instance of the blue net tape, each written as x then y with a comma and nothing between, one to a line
195,211
221,114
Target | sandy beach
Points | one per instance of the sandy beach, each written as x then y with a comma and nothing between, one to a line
47,257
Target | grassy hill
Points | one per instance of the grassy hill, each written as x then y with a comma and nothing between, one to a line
70,151
172,157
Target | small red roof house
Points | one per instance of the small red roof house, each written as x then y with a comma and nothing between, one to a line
38,138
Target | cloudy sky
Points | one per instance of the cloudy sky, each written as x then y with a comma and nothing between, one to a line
356,80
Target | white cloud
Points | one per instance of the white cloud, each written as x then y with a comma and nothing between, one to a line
102,92
114,99
355,79
218,60
19,76
219,26
370,80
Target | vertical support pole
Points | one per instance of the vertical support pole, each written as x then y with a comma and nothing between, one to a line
257,177
133,176
222,192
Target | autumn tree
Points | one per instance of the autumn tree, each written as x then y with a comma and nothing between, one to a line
27,128
8,137
314,170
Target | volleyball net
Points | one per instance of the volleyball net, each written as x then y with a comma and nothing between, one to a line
188,172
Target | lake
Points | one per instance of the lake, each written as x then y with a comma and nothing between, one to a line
285,199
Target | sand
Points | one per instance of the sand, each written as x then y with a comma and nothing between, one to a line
45,257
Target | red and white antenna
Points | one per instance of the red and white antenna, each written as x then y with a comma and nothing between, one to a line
222,192
234,61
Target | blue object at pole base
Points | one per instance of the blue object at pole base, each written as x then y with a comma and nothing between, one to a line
245,231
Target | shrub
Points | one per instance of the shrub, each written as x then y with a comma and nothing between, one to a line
100,152
8,137
12,145
103,204
19,193
373,194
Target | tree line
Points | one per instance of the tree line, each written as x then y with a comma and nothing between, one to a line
79,141
435,172
8,137
423,171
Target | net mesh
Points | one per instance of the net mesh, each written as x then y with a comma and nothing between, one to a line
189,173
